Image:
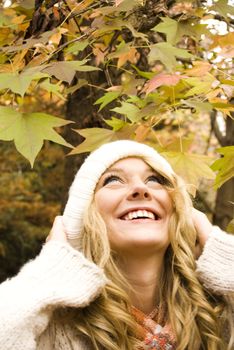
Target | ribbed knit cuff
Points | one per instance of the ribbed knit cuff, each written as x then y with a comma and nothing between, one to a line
216,264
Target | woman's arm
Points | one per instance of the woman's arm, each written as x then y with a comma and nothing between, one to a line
215,264
59,276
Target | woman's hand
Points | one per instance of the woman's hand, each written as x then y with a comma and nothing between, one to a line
203,228
57,232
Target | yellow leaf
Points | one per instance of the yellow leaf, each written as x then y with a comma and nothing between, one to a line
191,167
18,19
94,137
200,68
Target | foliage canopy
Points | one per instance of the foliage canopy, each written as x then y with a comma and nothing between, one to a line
165,64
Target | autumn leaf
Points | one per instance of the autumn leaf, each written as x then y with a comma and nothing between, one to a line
200,85
115,123
175,30
191,167
124,53
161,79
198,106
225,108
19,82
94,137
230,227
199,69
52,88
224,165
66,70
29,130
129,110
166,53
107,98
222,40
222,7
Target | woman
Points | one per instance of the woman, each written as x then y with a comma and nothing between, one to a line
138,286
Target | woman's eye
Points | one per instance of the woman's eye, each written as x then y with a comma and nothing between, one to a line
111,179
154,178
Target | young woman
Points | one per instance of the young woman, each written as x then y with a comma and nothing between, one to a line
119,268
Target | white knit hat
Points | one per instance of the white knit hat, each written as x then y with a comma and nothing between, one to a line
87,177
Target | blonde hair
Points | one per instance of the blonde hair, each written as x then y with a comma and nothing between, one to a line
195,315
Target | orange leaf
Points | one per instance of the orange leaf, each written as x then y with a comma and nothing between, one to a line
200,68
128,56
142,132
162,79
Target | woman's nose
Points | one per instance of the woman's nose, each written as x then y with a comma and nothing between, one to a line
139,192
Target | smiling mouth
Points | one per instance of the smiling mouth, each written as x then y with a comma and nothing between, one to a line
140,214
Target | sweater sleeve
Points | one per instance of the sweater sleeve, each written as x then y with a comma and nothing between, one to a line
59,276
215,266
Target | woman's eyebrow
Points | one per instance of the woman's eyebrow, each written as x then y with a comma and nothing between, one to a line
111,170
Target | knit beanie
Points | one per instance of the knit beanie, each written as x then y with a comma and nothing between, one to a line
82,189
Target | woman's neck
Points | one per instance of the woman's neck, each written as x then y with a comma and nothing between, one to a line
143,276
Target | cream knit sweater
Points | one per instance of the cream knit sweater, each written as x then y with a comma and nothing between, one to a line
61,277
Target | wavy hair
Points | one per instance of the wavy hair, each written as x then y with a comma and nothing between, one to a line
196,315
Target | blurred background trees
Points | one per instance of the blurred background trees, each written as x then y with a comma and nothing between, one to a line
81,73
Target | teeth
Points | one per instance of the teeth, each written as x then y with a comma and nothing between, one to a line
139,214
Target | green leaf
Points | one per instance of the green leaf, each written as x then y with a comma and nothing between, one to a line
230,227
107,98
115,123
166,53
147,75
77,47
198,106
224,165
19,82
129,110
52,88
200,85
222,8
192,167
94,137
66,70
29,130
73,88
170,27
175,30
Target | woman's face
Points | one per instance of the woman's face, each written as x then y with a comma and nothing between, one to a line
135,207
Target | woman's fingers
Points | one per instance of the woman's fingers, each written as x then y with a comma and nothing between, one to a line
57,231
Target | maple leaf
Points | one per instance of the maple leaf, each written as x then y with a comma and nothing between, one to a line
124,53
166,53
222,8
19,82
222,40
29,130
200,85
224,165
223,107
107,98
191,167
129,110
116,123
162,79
199,69
94,137
175,30
66,70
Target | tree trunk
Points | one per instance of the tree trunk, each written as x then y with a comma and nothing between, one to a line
80,109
